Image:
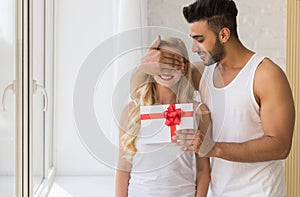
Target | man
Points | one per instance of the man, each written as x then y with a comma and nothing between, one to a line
251,104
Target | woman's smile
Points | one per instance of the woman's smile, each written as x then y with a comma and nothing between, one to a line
166,77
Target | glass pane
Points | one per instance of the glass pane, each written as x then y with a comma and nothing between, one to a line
49,40
7,118
38,99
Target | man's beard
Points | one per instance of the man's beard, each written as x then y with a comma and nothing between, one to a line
217,54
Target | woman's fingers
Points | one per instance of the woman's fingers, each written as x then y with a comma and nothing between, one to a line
190,139
186,132
185,137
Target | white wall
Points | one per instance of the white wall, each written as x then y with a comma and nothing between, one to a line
80,26
261,24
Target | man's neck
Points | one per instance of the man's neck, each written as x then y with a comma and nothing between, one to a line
237,55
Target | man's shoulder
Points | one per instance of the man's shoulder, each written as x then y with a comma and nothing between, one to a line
268,75
267,68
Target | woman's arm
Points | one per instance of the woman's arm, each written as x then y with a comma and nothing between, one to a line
202,163
197,70
202,175
123,172
122,181
124,166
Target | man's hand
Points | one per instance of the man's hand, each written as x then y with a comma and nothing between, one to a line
195,140
156,61
164,57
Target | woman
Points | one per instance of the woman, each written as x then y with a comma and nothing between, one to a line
160,169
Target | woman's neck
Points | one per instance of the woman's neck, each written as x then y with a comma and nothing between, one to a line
166,95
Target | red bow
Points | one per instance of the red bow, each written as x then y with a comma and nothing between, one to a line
172,115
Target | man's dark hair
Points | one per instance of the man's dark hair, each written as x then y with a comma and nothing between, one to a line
217,13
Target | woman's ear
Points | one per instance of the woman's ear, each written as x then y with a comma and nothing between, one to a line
224,35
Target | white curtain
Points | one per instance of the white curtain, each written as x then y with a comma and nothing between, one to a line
132,14
130,17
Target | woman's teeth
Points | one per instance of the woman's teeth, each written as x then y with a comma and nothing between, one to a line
166,77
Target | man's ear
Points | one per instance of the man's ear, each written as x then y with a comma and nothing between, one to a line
224,35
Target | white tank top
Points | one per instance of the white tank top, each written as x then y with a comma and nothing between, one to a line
236,118
161,170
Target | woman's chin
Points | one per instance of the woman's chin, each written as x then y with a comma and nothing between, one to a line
168,85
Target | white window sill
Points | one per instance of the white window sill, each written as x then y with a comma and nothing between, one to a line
83,186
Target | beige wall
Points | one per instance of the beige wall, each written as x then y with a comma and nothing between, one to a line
293,72
292,165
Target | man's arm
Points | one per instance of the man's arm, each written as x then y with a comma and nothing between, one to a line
152,62
273,93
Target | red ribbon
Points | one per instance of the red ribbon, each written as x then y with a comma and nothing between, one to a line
172,116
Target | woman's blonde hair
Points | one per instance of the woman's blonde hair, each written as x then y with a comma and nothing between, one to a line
147,95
